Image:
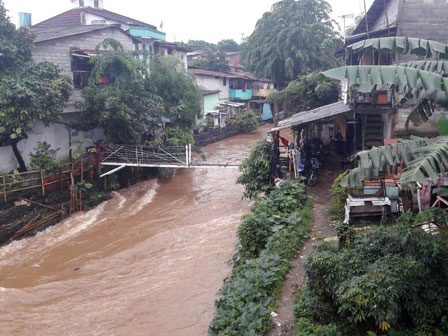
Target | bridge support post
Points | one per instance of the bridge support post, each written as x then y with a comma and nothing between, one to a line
189,155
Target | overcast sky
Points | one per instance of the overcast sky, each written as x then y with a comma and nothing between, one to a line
210,20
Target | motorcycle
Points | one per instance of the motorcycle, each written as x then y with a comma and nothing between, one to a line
310,167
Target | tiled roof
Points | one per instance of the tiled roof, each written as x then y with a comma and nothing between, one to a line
72,18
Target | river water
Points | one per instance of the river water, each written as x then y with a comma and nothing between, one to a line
148,262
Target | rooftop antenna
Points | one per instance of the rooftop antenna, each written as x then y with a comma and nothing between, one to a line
345,17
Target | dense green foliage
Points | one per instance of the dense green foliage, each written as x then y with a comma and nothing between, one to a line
307,92
131,106
336,209
44,158
248,296
223,45
213,60
386,278
126,109
442,126
294,38
311,91
228,46
268,215
178,90
178,136
255,170
28,92
247,122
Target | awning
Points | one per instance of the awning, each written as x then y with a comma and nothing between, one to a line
233,104
213,113
313,115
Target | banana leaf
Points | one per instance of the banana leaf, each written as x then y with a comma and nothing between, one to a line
422,159
402,45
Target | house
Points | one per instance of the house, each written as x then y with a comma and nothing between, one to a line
70,39
366,117
209,101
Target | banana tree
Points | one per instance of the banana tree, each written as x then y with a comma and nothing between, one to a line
419,159
401,45
439,67
429,87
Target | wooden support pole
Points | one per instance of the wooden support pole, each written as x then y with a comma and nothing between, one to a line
4,189
42,183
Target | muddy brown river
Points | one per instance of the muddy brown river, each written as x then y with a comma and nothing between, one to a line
148,262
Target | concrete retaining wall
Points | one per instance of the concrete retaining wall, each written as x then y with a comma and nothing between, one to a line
214,135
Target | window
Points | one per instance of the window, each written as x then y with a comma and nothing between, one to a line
96,3
224,81
81,3
81,68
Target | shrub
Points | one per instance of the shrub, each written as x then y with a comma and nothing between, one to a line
336,209
247,297
256,170
44,158
178,136
271,215
394,277
247,122
306,327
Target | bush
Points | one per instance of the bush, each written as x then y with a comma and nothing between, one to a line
306,327
178,136
256,170
386,278
247,122
44,158
338,194
248,296
271,215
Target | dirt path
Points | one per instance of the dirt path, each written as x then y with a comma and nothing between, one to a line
284,321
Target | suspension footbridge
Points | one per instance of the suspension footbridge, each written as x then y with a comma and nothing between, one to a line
121,156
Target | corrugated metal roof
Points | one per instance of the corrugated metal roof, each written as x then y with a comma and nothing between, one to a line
72,18
46,35
313,115
211,73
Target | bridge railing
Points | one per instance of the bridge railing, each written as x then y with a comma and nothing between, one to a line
128,154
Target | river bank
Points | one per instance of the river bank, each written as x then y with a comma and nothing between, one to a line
148,261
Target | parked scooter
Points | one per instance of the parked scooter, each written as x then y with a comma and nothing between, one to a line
314,151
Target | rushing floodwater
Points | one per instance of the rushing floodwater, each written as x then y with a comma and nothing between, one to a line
148,262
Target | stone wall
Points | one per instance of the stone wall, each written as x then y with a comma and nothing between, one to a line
425,19
215,134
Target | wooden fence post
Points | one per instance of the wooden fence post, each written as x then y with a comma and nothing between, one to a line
4,189
42,183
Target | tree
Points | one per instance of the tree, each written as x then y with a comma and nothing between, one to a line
256,170
125,108
178,89
28,92
294,38
213,60
228,45
197,45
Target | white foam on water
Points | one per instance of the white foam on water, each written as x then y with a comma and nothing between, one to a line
147,198
121,199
